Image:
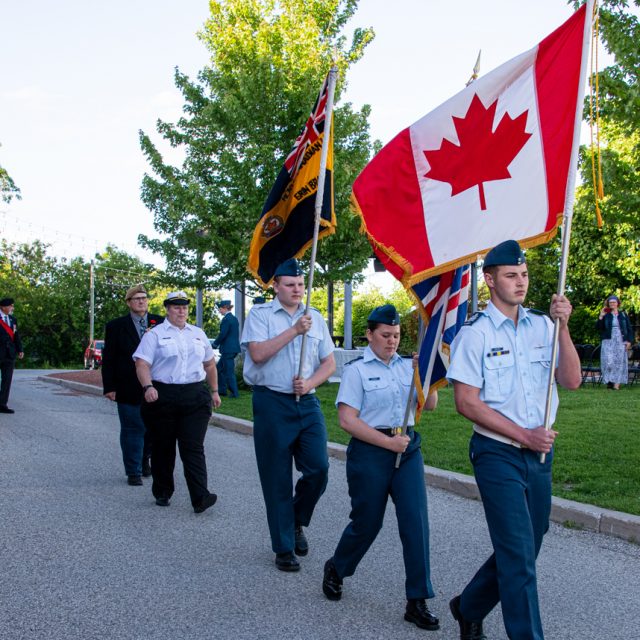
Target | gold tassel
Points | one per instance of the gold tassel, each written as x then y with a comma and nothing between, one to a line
594,113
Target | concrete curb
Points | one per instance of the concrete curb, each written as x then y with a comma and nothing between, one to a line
565,512
571,514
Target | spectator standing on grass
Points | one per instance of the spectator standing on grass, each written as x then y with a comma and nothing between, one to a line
120,383
499,368
616,334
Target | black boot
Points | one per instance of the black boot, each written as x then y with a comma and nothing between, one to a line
418,613
332,582
301,544
468,630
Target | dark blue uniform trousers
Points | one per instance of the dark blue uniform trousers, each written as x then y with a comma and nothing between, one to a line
516,495
180,414
226,367
372,478
286,430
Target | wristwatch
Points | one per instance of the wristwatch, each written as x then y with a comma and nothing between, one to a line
147,386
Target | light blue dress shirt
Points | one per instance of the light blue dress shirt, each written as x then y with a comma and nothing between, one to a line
266,321
510,365
175,355
377,390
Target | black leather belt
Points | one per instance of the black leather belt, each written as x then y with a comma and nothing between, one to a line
394,431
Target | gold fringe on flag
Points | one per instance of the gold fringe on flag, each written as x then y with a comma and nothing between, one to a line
594,114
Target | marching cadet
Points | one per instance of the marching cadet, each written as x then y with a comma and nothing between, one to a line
371,403
284,428
500,363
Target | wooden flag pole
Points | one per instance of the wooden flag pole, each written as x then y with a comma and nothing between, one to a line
328,121
568,210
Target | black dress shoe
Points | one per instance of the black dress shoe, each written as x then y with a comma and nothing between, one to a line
146,467
287,561
418,613
332,582
205,503
302,546
162,502
5,409
468,630
134,481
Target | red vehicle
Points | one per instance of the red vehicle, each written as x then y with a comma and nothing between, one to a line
93,354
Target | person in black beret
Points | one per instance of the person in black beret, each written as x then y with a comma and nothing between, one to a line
228,343
286,429
371,404
10,349
500,364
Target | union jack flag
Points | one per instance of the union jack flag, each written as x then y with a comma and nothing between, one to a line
313,128
442,302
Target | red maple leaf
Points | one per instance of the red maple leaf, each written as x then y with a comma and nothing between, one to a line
482,155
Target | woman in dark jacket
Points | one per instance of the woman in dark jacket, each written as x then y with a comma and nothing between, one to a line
617,335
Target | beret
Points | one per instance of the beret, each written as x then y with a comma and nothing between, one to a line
224,303
289,267
505,253
386,314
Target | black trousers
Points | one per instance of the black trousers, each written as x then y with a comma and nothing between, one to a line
6,375
180,415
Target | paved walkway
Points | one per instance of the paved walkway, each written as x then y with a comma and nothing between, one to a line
85,556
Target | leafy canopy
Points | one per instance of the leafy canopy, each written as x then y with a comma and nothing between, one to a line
240,119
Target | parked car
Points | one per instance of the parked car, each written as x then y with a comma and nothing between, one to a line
93,354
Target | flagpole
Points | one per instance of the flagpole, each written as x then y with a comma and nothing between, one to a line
570,197
328,120
432,360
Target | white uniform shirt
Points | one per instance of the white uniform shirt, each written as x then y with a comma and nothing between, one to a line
175,355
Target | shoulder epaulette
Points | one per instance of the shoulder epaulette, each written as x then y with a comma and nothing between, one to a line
354,360
537,312
473,318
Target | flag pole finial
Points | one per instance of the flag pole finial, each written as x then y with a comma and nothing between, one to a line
476,70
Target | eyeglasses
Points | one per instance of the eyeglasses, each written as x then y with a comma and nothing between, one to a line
138,299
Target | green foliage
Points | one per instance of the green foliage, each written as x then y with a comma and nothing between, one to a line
241,117
8,189
52,297
603,261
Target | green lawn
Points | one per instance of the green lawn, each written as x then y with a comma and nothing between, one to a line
597,452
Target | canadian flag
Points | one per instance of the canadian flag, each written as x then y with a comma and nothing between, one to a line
490,164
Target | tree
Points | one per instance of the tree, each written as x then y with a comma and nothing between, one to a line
52,297
8,189
241,117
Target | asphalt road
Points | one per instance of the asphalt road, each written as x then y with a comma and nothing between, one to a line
83,555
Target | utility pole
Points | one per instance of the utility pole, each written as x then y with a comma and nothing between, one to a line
92,305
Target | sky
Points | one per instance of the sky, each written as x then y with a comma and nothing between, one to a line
79,79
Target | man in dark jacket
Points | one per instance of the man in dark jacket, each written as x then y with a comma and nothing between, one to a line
121,339
228,342
10,349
